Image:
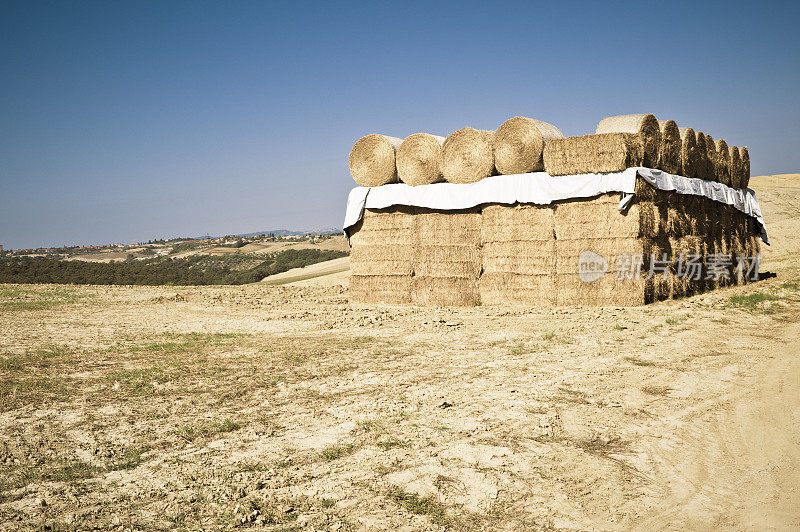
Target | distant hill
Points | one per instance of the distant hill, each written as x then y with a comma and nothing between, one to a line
282,232
287,232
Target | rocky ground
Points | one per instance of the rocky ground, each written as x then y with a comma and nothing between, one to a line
286,407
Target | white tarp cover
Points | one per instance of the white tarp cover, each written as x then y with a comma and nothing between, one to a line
542,189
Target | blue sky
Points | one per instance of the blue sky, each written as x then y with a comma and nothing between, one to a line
126,121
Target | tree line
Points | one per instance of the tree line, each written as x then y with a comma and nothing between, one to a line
154,272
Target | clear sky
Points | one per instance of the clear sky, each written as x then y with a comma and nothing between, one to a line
126,121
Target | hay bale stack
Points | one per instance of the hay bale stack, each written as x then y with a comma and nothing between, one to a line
702,157
689,158
419,159
736,167
606,152
744,153
669,149
382,256
519,144
447,258
373,160
723,162
518,249
643,124
468,155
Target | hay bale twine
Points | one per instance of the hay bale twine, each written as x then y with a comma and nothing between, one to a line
744,153
723,162
419,159
373,161
669,150
519,143
711,159
689,157
702,156
644,124
468,155
736,167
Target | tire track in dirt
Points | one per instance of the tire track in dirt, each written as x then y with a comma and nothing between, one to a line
737,463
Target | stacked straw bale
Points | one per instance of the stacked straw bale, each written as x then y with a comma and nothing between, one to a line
419,159
409,255
446,258
736,167
689,159
702,157
518,249
519,143
643,124
382,256
669,150
744,153
722,164
711,159
373,160
606,152
532,255
468,155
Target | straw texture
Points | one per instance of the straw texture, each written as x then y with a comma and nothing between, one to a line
669,150
373,160
519,142
644,124
688,157
419,159
702,157
711,159
737,168
722,163
744,153
468,155
607,152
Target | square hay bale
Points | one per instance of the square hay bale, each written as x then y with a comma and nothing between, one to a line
507,223
447,261
572,289
604,152
392,226
600,218
445,291
447,258
377,259
380,289
574,256
519,257
504,288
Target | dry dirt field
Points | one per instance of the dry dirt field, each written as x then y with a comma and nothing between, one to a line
285,407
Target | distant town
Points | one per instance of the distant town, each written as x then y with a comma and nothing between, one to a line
165,247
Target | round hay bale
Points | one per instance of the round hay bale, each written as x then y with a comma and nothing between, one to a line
736,167
468,155
744,153
702,156
689,156
519,143
723,162
711,159
419,159
372,160
644,124
669,150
